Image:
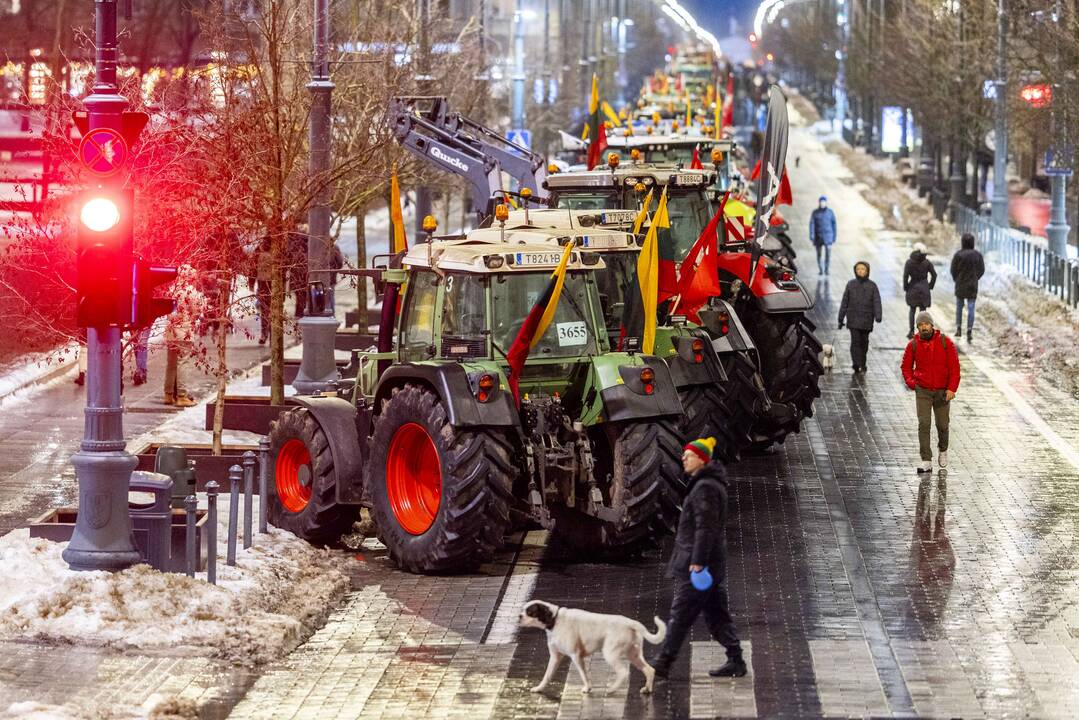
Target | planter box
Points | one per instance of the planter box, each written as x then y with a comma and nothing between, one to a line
253,414
207,465
349,340
58,526
291,369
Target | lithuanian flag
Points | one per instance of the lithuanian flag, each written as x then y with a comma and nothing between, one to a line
597,131
642,215
648,274
400,244
536,323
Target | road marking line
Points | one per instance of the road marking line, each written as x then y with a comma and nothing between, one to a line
518,590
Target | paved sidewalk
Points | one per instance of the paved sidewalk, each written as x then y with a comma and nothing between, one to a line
860,588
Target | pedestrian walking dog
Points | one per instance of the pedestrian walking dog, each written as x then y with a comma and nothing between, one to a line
579,633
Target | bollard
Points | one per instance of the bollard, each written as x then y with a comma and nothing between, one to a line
235,473
264,480
249,487
191,507
211,532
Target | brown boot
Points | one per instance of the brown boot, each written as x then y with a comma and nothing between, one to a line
185,401
170,399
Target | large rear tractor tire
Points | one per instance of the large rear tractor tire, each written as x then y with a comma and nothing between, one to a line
742,404
790,368
304,493
643,461
440,495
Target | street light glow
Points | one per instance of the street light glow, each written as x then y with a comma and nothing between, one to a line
689,23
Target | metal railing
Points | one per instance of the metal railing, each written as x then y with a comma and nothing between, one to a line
1028,254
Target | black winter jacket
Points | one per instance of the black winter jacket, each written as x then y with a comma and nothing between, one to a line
968,266
919,278
701,538
860,306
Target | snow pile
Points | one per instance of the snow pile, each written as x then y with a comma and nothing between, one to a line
279,592
155,708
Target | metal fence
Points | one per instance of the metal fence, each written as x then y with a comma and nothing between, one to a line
1029,255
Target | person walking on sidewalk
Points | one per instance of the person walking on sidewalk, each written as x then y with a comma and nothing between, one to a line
860,308
698,564
931,370
822,233
968,266
180,334
919,279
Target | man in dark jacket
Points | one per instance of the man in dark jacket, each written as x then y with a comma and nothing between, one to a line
860,308
701,546
919,279
968,266
931,370
822,233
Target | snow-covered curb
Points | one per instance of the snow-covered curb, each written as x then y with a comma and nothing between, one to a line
31,372
279,592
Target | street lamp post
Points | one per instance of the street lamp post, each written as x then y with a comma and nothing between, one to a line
1000,133
518,111
843,20
1057,229
318,367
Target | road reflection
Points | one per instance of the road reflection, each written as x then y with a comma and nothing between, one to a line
932,556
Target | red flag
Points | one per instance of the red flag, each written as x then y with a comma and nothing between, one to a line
728,103
784,196
597,130
695,164
596,147
700,270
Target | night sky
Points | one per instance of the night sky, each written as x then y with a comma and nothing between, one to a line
714,14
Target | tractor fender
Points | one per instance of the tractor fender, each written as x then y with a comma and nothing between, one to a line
626,401
685,371
339,420
767,294
736,339
453,386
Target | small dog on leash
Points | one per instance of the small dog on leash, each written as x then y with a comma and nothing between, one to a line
827,356
579,633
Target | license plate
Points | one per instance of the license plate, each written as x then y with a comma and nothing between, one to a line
602,242
688,179
537,258
572,333
618,217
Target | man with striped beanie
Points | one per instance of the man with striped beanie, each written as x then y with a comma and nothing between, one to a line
700,550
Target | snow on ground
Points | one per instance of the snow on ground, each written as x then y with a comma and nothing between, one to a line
279,592
1021,319
21,378
156,708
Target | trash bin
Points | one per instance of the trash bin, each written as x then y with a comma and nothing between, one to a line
172,461
153,520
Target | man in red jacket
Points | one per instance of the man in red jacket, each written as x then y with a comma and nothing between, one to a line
931,370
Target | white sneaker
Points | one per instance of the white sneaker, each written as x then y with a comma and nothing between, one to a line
926,467
942,458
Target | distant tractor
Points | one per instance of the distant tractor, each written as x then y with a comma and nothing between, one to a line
430,437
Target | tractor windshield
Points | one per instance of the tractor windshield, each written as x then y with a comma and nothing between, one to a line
689,213
619,293
572,332
586,200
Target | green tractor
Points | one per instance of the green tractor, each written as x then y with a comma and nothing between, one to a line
430,436
713,367
771,304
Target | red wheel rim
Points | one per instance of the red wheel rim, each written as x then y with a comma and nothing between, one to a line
413,478
293,475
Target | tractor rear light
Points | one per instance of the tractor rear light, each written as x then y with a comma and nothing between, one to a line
698,350
485,385
648,379
493,262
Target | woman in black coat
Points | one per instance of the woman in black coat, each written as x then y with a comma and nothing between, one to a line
860,309
919,278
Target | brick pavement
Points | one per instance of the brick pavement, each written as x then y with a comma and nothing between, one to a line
860,589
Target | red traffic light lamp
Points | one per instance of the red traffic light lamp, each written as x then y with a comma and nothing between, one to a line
1037,95
104,258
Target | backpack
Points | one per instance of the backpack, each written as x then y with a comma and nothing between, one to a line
914,347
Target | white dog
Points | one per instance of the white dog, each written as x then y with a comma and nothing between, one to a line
579,633
827,356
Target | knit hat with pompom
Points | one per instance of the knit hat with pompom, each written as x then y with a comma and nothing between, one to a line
703,447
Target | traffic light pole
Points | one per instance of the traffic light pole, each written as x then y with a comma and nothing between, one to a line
318,368
102,539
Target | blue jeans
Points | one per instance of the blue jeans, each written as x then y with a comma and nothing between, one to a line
827,257
959,314
142,349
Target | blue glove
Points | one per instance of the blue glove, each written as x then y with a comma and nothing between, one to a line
701,580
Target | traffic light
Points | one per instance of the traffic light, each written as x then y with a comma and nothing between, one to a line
147,307
104,258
